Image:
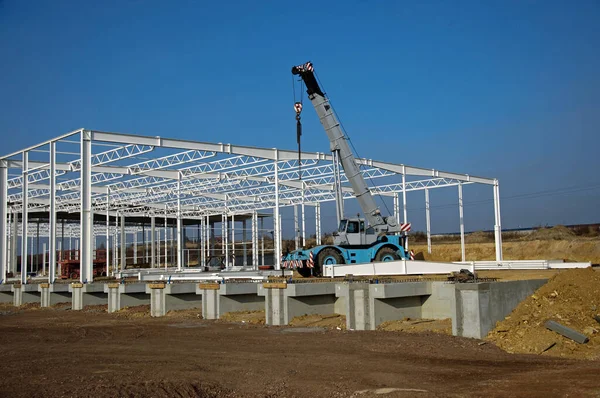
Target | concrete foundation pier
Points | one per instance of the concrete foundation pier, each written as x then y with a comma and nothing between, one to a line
220,298
6,294
24,294
87,294
368,305
169,297
54,294
284,302
126,295
478,306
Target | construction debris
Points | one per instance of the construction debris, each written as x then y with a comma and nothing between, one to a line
567,332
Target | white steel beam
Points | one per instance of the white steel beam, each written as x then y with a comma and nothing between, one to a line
462,222
276,218
24,215
52,215
3,217
85,265
179,227
498,226
428,220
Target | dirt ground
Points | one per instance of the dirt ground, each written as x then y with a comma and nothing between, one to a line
571,298
408,325
331,321
63,353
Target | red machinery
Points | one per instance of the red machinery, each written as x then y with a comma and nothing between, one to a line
69,264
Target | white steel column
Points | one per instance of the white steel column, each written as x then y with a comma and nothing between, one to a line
166,246
428,220
9,242
262,239
404,194
146,233
25,190
254,240
397,207
3,216
223,221
462,222
13,242
135,246
244,246
498,226
404,203
318,223
276,218
31,254
44,252
152,241
296,228
225,239
233,238
201,259
123,244
85,257
179,226
302,208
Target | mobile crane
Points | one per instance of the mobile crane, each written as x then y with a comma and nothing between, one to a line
356,240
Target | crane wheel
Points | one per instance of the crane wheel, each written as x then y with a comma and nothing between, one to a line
386,253
304,271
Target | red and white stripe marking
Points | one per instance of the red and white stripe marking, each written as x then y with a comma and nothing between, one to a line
412,255
405,227
310,263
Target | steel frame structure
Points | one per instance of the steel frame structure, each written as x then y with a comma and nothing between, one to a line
124,175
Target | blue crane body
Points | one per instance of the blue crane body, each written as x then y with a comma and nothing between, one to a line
357,240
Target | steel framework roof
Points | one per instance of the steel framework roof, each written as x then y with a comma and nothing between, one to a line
141,175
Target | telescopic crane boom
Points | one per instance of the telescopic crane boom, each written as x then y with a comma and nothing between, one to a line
339,144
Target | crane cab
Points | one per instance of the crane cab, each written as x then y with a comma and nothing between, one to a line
354,231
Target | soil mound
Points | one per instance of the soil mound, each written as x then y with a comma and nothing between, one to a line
571,298
558,232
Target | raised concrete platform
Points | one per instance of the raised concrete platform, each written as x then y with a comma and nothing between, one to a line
52,294
126,295
87,294
478,306
25,294
283,301
220,298
6,294
369,305
169,297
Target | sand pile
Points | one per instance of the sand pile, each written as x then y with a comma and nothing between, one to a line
571,298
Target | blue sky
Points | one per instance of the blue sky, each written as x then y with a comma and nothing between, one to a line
506,89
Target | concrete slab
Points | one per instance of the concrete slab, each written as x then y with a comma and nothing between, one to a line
51,294
394,301
25,294
283,302
171,297
478,306
87,294
6,294
126,295
220,298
